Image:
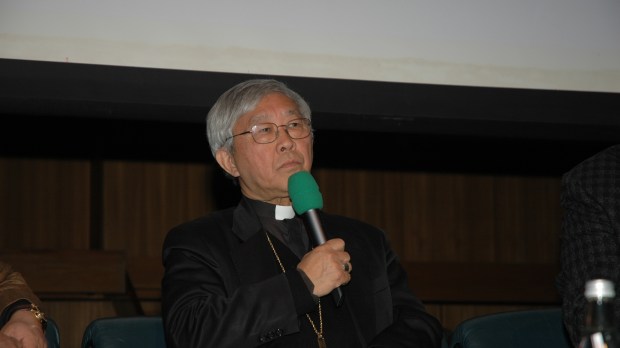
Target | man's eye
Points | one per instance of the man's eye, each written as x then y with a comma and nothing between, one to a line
263,129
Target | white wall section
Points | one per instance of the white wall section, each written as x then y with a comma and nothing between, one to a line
542,44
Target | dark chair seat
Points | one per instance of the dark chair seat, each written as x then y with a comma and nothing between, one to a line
52,334
540,328
124,332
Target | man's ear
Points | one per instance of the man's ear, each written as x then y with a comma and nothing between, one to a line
226,160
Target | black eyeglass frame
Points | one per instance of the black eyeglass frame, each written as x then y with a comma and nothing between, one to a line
253,129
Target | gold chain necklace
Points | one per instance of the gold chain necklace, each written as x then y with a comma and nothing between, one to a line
319,333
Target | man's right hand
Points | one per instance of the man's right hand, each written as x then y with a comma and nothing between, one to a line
324,266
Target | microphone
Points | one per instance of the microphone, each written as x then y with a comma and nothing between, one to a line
307,200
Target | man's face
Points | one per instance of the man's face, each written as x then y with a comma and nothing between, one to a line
263,169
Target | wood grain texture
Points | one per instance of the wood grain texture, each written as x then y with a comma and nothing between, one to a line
70,273
44,204
142,201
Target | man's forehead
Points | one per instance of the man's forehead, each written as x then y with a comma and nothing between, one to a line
267,116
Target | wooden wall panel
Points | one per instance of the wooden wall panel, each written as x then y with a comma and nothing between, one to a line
452,217
449,217
528,218
44,204
143,200
427,216
70,273
371,196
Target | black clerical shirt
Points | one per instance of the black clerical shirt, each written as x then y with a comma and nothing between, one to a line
290,231
339,326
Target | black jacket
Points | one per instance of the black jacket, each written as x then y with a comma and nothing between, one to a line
222,287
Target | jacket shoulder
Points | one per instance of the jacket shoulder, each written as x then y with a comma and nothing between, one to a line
199,228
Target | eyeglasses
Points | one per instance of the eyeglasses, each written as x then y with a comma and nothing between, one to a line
265,133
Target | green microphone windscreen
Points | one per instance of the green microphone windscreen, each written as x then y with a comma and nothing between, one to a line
304,192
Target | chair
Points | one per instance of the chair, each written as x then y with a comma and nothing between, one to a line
51,334
125,332
535,328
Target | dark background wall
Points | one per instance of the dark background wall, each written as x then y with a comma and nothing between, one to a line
358,122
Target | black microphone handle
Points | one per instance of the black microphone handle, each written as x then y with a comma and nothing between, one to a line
314,227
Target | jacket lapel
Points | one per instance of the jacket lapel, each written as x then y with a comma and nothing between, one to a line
254,260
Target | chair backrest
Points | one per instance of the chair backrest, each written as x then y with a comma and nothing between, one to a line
51,334
125,332
535,328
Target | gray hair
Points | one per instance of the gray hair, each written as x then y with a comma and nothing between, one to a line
239,100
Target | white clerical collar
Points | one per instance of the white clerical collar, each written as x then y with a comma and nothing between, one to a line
284,212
